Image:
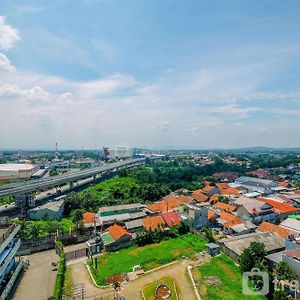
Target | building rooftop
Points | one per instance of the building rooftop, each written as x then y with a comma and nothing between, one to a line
279,206
88,217
246,180
269,227
54,206
153,222
116,231
171,218
134,224
120,207
107,238
224,206
272,241
291,224
16,167
212,246
295,253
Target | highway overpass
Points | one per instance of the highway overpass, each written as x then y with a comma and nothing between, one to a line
24,190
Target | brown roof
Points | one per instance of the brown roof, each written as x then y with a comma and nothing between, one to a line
153,222
269,227
116,231
224,206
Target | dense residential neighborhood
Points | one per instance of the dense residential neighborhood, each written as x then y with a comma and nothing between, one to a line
201,209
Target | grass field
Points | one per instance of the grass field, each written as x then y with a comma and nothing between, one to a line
149,290
149,257
230,287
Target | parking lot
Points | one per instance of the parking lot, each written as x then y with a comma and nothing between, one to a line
39,280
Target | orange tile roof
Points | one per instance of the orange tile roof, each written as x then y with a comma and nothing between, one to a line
224,206
269,227
230,191
278,206
297,192
222,185
210,214
231,219
283,184
88,217
199,196
208,188
233,223
116,231
153,222
169,203
214,197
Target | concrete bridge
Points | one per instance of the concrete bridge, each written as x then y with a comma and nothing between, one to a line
23,191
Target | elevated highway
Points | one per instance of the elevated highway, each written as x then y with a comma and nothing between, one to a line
25,189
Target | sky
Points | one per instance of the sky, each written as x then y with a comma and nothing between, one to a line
149,73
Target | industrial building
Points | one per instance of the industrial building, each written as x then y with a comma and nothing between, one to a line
10,172
51,210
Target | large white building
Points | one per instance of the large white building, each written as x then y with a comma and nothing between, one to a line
17,171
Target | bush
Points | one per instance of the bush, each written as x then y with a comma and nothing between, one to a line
60,276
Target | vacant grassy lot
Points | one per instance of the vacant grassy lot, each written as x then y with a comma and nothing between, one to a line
149,257
227,279
149,290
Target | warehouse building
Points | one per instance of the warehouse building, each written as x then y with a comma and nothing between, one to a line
50,210
10,172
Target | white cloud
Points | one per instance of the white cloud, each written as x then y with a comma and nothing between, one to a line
5,64
8,35
105,86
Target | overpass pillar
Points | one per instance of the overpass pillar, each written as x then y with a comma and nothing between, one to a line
72,185
94,177
24,201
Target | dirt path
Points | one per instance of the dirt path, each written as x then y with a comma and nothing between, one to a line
39,280
80,275
177,271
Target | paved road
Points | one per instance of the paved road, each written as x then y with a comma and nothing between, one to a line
38,184
39,280
177,271
80,275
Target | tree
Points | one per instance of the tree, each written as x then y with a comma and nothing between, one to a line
53,172
280,295
208,234
76,216
223,199
284,272
253,257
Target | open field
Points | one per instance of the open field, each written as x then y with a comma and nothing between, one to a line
221,279
149,290
149,257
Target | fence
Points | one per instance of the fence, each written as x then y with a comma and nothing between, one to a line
76,254
46,243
